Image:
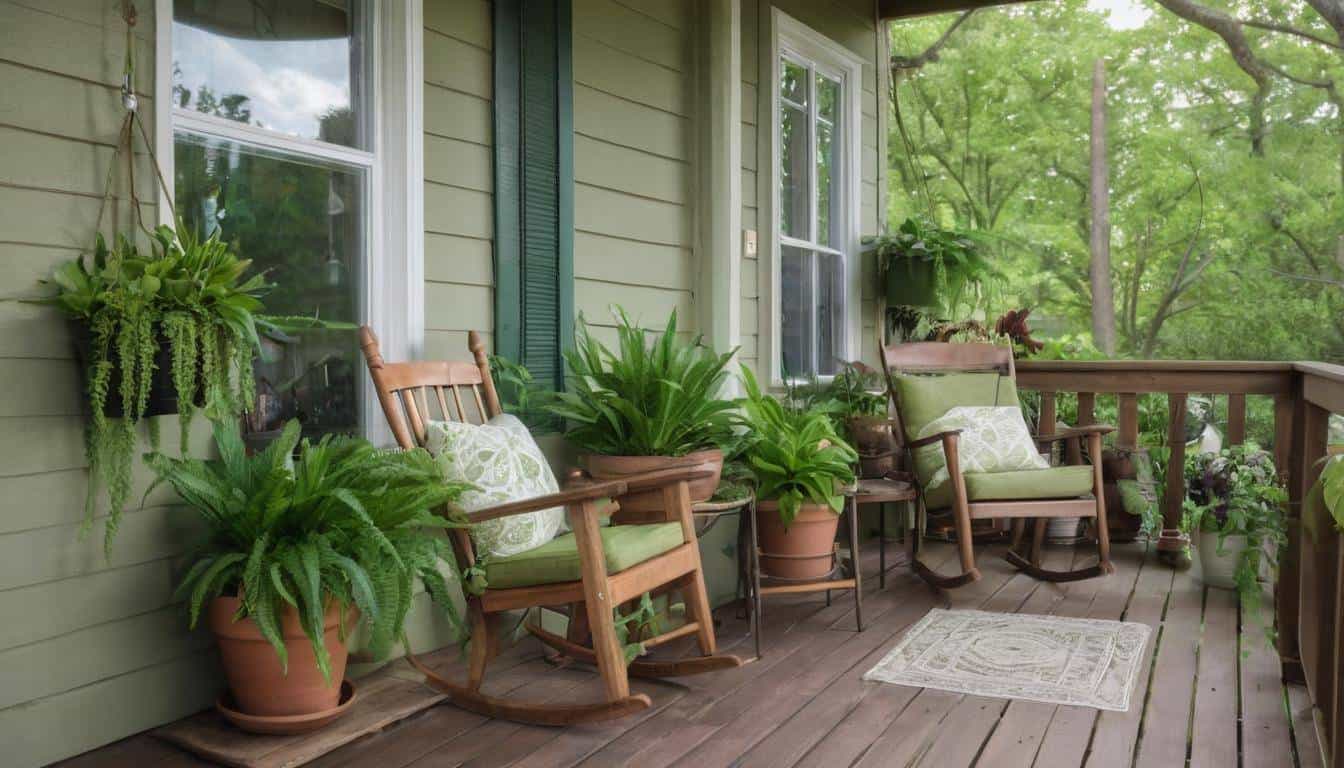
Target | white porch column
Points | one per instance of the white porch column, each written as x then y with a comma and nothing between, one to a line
719,178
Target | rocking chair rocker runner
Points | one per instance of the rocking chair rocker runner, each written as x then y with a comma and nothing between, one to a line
1024,496
613,566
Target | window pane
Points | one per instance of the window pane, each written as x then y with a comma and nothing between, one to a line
830,313
828,97
798,309
794,196
293,66
828,165
793,82
303,223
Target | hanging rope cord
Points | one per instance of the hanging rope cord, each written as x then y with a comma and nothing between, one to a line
130,125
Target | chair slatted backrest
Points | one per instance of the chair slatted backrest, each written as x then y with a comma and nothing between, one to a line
941,357
411,392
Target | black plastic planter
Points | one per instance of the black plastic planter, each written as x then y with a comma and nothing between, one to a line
162,393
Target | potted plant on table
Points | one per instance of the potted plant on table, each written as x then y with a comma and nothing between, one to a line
860,398
647,406
1234,505
156,332
300,550
801,465
927,267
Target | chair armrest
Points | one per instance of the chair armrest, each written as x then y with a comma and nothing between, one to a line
1072,432
567,498
931,439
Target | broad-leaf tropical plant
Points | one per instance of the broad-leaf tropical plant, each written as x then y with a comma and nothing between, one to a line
342,521
187,291
651,397
797,455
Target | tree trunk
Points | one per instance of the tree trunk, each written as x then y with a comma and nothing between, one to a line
1103,296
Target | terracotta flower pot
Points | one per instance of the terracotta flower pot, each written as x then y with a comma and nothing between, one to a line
803,550
258,683
645,504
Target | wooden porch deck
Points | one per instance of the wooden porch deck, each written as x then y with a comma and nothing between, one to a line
1210,697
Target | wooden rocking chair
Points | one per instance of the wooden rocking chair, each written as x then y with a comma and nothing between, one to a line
1029,495
608,576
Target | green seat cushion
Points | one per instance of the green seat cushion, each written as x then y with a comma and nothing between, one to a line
1052,483
558,560
925,398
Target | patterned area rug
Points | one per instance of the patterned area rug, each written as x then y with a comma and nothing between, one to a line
1088,662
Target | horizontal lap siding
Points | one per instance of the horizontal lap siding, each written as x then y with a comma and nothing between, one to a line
82,633
632,161
459,176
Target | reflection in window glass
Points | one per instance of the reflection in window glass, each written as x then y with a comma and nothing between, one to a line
301,222
830,310
794,182
793,83
292,66
797,311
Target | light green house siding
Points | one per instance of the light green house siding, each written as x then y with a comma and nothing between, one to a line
633,161
459,175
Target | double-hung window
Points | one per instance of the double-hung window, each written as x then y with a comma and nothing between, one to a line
273,125
815,226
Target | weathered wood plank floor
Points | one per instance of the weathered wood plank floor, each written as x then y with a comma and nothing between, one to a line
1208,695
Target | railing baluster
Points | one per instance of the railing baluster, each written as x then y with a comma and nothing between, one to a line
1087,409
1172,500
1129,421
1236,419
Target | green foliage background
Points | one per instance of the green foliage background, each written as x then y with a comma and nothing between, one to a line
998,129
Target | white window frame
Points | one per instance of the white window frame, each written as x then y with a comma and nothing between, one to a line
798,41
393,296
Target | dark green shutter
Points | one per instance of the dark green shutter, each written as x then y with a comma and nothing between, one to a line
534,185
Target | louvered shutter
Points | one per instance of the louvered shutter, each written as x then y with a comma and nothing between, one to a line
534,182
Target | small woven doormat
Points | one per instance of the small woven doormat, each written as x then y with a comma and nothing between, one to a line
1055,660
384,697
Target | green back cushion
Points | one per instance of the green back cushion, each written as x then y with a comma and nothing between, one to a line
925,398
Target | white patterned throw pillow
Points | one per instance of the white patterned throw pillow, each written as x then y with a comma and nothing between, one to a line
503,461
993,439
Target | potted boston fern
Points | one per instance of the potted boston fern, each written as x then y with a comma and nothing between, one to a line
647,406
156,332
801,465
1234,504
301,549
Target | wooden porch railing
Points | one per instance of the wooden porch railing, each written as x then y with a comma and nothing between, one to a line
1308,594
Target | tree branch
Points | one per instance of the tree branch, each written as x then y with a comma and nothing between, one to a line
930,54
1270,26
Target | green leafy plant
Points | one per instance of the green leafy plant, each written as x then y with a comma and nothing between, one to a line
341,521
797,456
961,272
521,394
1236,492
649,398
1332,487
635,624
185,292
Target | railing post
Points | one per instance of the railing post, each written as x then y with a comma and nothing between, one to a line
1172,543
1300,436
1236,419
1129,422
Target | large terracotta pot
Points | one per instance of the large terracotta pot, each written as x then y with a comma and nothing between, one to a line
648,504
803,550
256,680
